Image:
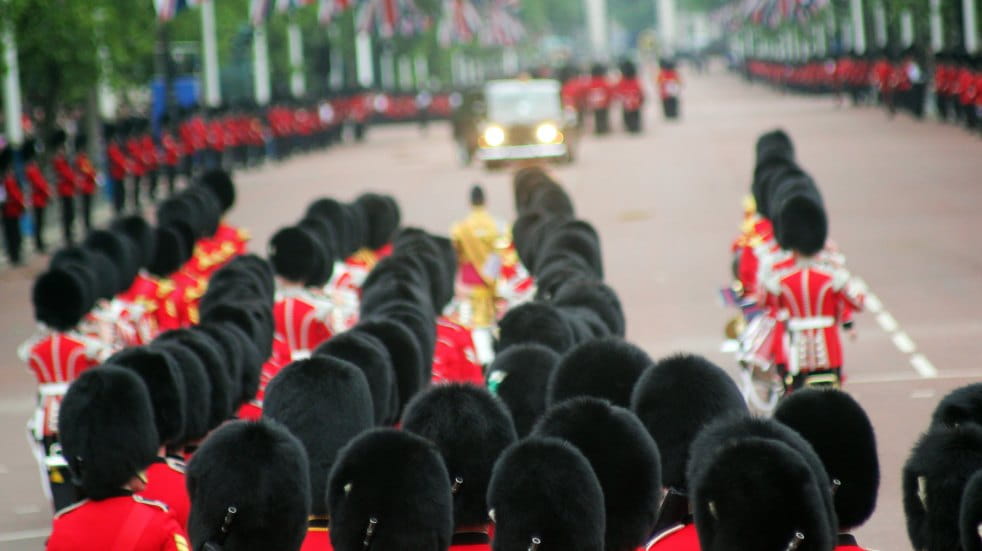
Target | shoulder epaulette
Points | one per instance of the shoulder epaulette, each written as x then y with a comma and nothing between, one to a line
151,502
70,508
175,464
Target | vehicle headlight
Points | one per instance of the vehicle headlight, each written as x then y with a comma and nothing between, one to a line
494,136
547,133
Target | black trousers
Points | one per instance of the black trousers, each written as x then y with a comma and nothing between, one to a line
135,183
68,219
39,229
12,238
170,172
119,194
152,185
601,121
87,212
632,121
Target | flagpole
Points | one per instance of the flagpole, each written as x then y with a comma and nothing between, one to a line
937,34
209,42
298,81
858,26
596,13
11,86
260,59
363,60
970,26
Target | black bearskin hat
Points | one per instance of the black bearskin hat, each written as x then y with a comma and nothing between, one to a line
418,319
543,489
615,443
391,489
229,346
970,514
259,470
140,232
219,182
368,354
774,143
801,224
325,403
323,235
520,376
842,435
628,69
57,138
471,428
61,298
675,400
294,254
535,323
596,296
106,430
169,253
223,394
406,356
105,279
333,212
119,251
753,478
603,368
165,383
382,220
197,389
962,405
934,479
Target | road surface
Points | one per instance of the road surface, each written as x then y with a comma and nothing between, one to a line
903,202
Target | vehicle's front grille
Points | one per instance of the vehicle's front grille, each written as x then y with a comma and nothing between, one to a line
521,135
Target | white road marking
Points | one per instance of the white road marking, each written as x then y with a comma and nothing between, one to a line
922,394
903,342
25,535
923,366
872,304
887,322
730,346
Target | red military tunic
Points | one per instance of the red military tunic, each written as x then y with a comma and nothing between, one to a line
318,536
13,204
810,298
478,540
134,147
156,298
628,91
167,484
40,190
149,154
119,165
455,359
227,233
848,543
66,176
127,522
598,93
682,537
86,174
302,320
172,150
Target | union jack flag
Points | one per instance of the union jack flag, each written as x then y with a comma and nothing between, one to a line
504,28
259,11
382,14
461,21
167,9
328,9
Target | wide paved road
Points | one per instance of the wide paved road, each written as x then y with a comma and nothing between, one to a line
903,199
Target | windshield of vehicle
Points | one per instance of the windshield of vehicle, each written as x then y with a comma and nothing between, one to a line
511,102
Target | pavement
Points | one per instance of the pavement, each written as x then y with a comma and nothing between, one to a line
902,198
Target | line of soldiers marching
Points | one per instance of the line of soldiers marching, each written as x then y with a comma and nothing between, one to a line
243,427
896,81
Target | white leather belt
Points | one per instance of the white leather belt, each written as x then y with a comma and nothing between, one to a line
52,389
804,324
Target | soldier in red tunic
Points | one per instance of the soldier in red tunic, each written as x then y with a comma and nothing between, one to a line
810,299
119,165
138,167
614,442
543,495
472,429
325,402
675,400
629,93
669,88
757,484
841,434
389,489
108,438
598,98
66,184
303,318
85,179
249,489
12,205
40,191
159,371
56,357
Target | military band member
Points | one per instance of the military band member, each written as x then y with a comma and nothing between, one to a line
13,206
675,400
532,480
598,95
472,429
107,452
629,93
841,434
325,402
519,376
249,489
40,191
119,165
475,240
160,373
